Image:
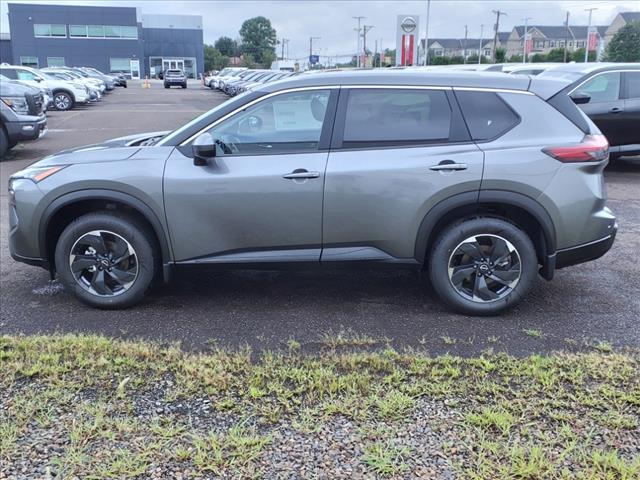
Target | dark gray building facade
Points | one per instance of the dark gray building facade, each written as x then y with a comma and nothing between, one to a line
111,39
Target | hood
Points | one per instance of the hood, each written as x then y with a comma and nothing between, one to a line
15,87
113,150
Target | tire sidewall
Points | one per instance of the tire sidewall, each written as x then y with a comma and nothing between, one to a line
4,142
59,94
448,241
127,229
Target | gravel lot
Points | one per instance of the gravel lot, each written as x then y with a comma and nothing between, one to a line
584,305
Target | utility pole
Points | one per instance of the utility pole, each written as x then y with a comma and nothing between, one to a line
495,36
381,54
311,39
426,36
358,37
480,46
464,53
586,45
524,43
284,41
566,37
365,29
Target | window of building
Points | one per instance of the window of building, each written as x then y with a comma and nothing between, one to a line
112,31
439,53
286,123
78,31
96,31
29,62
119,65
571,44
48,30
129,32
394,117
486,114
552,44
55,61
580,44
487,52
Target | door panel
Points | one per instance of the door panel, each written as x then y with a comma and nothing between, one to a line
378,198
243,204
631,116
606,106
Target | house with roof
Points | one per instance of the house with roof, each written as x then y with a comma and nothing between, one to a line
545,38
457,47
618,22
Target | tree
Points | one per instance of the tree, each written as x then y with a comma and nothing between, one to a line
578,56
501,55
514,59
556,55
440,60
227,46
625,44
248,60
456,59
258,39
213,59
539,57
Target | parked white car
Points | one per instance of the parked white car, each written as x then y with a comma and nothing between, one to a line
214,81
529,68
65,94
95,89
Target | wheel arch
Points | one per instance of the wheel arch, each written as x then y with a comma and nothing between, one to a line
64,209
515,207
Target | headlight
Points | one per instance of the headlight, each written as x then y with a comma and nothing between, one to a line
36,174
17,104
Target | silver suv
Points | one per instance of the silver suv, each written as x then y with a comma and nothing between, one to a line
483,179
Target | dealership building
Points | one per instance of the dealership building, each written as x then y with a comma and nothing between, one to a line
111,39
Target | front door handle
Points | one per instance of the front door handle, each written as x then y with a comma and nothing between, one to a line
301,173
448,165
615,110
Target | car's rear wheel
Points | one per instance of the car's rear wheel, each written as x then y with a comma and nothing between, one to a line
482,266
62,101
106,260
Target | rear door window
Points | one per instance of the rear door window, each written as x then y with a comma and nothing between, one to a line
390,117
487,115
633,85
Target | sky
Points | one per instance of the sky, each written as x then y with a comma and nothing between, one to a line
333,22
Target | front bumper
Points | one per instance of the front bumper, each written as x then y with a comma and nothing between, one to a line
81,97
29,129
586,252
175,81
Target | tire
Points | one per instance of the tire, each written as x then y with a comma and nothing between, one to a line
476,293
4,142
63,101
166,86
184,85
12,143
122,284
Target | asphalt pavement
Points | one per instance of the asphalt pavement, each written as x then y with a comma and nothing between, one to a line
583,306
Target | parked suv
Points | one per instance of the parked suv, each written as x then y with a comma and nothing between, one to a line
609,93
483,179
65,94
174,77
22,115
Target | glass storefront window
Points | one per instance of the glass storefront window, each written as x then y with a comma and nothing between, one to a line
119,64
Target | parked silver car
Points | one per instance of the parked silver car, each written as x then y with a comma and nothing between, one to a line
483,179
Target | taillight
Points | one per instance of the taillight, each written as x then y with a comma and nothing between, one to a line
592,148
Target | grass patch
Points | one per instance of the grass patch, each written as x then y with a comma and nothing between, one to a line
120,409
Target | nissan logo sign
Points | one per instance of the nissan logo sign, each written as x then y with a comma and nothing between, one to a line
408,24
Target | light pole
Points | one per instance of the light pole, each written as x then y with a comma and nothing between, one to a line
358,38
586,45
426,36
464,53
365,30
480,46
524,43
495,36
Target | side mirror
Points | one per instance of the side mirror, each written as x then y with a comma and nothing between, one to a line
580,98
38,79
204,149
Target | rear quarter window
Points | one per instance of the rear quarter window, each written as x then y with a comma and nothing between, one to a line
487,115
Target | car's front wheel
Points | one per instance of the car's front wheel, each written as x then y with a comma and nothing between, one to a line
106,260
482,266
62,101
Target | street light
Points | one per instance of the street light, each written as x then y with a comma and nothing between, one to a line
358,37
524,43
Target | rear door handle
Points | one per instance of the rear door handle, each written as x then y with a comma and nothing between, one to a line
448,166
300,174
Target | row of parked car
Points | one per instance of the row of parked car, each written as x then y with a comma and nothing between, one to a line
233,81
27,93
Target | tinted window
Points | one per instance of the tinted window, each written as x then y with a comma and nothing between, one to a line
602,88
486,114
396,117
290,122
633,84
9,73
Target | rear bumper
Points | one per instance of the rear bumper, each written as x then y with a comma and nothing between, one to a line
586,252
